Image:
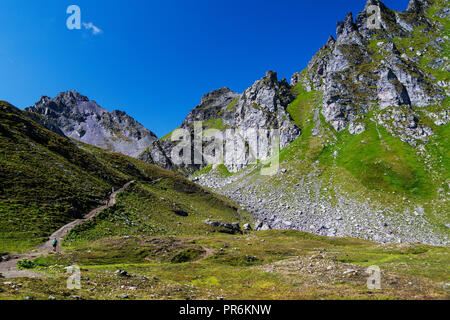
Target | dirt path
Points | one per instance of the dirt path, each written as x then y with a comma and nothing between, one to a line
9,269
208,253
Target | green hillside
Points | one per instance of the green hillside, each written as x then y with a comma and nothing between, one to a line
49,180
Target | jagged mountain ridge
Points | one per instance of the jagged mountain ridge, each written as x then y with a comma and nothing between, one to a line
361,69
212,107
84,120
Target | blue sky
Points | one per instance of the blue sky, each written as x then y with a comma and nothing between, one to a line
155,59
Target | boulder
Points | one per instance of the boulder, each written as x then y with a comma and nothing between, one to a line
181,213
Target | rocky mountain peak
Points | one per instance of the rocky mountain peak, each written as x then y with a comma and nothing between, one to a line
71,95
212,106
212,111
84,120
69,98
377,3
268,93
261,106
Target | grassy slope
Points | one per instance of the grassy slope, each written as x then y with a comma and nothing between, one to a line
148,209
257,265
48,181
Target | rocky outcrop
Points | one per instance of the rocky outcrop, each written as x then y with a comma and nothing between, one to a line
419,5
404,123
391,92
82,119
262,106
155,154
213,105
229,227
45,122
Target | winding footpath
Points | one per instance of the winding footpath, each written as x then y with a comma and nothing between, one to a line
9,269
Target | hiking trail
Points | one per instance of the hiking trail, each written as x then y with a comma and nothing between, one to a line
9,269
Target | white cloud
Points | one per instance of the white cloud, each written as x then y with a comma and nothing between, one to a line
90,26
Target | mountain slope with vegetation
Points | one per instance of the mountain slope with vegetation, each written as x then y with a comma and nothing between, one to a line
49,180
364,132
364,168
372,160
153,242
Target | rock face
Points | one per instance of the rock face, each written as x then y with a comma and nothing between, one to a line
237,117
363,67
263,105
211,111
261,108
84,120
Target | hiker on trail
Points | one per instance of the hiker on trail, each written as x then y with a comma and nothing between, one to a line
55,244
